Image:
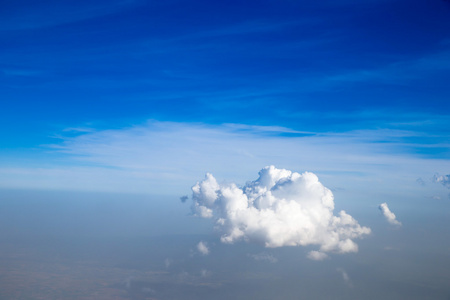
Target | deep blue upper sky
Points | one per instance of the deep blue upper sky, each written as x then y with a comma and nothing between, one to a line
306,65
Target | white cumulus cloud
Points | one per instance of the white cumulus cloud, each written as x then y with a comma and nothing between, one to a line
280,208
388,214
202,247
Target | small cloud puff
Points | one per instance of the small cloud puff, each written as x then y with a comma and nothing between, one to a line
263,256
205,273
420,181
203,248
317,255
443,179
345,276
280,208
168,262
388,214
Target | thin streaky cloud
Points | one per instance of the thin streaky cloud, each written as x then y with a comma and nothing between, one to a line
157,151
42,14
246,28
397,71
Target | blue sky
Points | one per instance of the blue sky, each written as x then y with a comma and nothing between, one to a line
111,112
374,70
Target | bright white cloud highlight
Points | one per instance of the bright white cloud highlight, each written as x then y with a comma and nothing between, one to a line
280,208
202,247
388,214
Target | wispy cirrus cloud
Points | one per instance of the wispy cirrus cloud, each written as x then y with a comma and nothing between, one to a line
397,71
17,16
162,156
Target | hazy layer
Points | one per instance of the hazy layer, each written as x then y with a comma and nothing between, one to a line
101,246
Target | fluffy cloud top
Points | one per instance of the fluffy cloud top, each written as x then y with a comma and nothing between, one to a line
388,214
280,208
203,248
